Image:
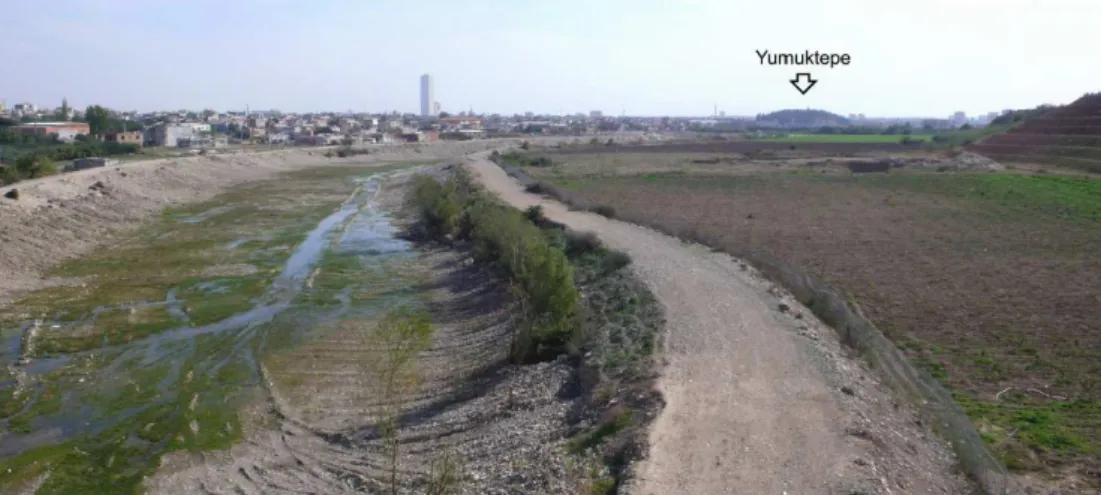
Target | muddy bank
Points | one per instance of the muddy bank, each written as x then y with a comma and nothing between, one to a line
65,216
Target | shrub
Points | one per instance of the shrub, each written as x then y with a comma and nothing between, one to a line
535,215
614,260
604,210
540,274
580,243
548,189
437,204
44,167
525,145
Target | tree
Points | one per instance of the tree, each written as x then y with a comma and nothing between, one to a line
98,119
965,127
207,114
444,115
63,114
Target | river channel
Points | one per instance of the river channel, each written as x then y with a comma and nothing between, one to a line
158,341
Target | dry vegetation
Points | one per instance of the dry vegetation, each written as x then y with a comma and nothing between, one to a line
987,280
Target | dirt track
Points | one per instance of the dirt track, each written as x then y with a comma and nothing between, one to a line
754,394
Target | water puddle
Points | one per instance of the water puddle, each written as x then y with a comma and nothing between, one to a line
178,386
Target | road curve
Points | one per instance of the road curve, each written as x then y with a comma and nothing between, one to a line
752,405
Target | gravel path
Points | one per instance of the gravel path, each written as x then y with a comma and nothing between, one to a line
759,400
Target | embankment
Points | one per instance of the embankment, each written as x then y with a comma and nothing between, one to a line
62,217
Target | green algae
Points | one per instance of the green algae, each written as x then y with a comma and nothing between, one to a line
153,398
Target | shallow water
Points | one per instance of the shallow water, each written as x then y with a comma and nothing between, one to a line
180,387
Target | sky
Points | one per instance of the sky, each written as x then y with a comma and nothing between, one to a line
638,57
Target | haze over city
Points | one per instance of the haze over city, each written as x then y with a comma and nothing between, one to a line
636,57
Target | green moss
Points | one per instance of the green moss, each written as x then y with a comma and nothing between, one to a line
236,295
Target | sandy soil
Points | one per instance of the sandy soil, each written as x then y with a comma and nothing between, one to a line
759,400
64,216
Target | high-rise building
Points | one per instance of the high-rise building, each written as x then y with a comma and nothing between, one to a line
428,97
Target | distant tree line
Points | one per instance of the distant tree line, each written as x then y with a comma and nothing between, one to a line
1017,116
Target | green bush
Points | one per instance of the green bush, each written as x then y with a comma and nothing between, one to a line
540,273
535,215
581,243
548,189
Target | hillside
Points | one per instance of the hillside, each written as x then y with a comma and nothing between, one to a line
1068,136
803,118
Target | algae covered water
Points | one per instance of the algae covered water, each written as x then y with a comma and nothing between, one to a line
157,343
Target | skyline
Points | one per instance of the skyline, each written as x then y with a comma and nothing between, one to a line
648,57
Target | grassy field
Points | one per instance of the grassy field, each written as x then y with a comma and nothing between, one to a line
990,281
844,138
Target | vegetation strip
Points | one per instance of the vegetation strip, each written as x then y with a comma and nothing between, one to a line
611,335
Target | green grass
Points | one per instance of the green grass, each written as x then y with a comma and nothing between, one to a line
1068,198
843,138
1014,426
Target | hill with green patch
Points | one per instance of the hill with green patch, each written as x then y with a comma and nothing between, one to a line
1067,136
803,118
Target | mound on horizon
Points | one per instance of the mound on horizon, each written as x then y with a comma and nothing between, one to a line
1067,136
803,118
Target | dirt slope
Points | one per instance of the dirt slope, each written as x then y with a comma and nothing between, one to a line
759,400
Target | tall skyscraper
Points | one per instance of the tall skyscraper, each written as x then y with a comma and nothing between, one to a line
428,97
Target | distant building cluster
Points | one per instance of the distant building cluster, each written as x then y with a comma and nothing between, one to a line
215,129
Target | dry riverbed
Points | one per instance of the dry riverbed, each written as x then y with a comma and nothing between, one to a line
227,347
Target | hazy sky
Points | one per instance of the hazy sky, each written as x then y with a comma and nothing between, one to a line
644,57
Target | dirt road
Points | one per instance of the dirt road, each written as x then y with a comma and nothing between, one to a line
759,401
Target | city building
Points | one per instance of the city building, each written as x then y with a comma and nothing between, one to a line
429,105
66,131
958,119
170,135
462,122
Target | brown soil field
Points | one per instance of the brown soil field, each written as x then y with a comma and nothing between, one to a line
823,149
1068,136
990,281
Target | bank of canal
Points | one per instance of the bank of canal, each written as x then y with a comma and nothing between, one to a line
158,341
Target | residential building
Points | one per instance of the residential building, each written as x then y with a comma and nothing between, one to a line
428,97
958,119
169,135
462,122
130,137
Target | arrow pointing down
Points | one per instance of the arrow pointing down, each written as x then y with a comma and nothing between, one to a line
803,82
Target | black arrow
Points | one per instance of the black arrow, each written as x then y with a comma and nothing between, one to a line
803,82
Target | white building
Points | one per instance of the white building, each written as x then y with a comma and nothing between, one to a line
428,96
